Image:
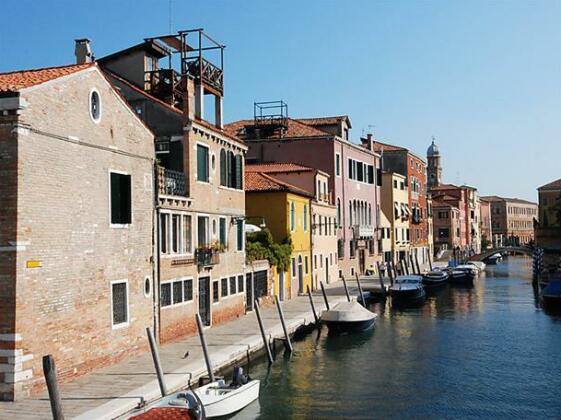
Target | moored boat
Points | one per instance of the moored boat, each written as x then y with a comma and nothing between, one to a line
494,259
408,290
463,274
435,278
348,317
479,264
551,296
215,399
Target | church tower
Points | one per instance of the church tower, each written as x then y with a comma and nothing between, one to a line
434,170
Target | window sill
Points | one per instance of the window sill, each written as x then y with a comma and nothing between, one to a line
222,187
175,305
119,226
120,326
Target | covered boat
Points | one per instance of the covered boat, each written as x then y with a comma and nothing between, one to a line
408,290
494,259
435,278
479,264
348,317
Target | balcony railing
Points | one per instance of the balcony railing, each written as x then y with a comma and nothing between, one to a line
205,71
171,182
207,257
363,231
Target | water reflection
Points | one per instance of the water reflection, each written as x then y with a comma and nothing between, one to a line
479,352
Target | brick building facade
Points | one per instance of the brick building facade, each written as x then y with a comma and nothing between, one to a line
76,241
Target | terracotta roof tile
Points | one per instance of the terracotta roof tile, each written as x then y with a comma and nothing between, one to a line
296,129
378,146
17,80
495,198
326,120
554,185
271,168
260,182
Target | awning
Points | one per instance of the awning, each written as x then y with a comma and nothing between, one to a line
407,211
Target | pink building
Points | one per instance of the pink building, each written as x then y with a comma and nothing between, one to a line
353,169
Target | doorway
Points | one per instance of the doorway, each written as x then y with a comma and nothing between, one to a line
204,300
281,285
248,292
300,275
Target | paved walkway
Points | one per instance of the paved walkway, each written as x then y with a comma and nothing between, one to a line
110,392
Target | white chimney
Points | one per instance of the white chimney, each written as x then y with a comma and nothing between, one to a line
83,51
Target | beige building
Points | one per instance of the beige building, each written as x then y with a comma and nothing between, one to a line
201,202
512,220
76,225
395,205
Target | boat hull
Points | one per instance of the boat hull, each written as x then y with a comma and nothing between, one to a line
353,326
408,297
434,282
234,401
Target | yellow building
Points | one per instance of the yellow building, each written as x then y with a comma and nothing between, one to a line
285,210
395,205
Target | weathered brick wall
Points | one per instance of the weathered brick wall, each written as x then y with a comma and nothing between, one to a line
64,306
8,237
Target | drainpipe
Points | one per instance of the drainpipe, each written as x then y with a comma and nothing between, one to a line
156,249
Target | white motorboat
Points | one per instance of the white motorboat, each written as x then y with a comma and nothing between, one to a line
495,258
348,317
408,290
434,279
463,274
215,399
220,399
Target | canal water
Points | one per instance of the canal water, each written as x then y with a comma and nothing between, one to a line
485,352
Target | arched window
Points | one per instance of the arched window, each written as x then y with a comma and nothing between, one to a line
305,217
338,212
223,168
292,216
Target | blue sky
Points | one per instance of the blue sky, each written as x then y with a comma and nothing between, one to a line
484,77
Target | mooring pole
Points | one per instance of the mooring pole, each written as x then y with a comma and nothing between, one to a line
346,289
390,272
263,335
324,295
156,360
49,370
430,262
313,306
418,266
205,349
413,269
402,265
360,290
287,343
380,276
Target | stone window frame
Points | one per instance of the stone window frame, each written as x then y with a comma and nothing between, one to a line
90,96
120,172
122,324
183,301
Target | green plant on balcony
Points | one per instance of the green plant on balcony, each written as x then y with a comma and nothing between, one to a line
261,246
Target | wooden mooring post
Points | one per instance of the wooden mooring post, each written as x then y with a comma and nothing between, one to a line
413,269
324,295
390,272
430,261
380,277
263,335
49,370
360,290
417,263
313,306
156,360
287,343
346,289
209,368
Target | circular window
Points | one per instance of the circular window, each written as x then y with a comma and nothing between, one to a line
147,286
95,106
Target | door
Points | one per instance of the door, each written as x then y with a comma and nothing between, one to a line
204,300
361,260
300,275
326,270
281,285
248,292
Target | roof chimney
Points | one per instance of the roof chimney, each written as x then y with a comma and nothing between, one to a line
83,51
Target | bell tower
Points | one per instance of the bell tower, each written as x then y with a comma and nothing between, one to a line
434,169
